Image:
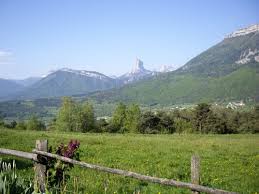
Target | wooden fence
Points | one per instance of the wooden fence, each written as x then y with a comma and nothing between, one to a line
40,170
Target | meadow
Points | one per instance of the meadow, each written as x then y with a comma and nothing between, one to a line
229,162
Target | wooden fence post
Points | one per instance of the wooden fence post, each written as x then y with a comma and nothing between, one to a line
195,171
39,168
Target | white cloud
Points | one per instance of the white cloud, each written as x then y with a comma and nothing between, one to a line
5,53
6,57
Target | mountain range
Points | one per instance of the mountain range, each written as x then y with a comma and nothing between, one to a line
68,82
9,87
228,70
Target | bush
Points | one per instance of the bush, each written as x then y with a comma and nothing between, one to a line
10,125
21,126
35,124
183,126
101,126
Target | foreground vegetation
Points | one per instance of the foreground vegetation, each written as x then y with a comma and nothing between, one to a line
228,162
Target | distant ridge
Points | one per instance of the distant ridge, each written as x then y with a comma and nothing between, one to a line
71,82
67,82
9,87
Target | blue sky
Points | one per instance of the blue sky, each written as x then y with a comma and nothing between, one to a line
107,36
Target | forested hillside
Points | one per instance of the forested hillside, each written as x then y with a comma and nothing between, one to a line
228,71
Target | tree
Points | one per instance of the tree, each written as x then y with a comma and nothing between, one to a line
1,123
255,121
166,124
86,117
202,117
132,117
73,116
101,125
256,111
35,124
66,115
10,125
13,124
149,123
118,119
1,119
182,126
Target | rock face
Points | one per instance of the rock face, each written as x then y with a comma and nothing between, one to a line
248,56
244,31
138,72
138,67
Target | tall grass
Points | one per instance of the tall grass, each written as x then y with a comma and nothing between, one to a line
229,162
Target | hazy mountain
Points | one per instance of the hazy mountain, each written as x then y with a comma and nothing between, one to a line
8,87
138,72
227,71
67,82
28,81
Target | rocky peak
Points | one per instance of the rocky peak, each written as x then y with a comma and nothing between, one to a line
244,31
138,72
138,67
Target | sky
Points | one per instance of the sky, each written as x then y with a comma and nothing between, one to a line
107,35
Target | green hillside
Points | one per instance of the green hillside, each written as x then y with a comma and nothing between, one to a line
220,59
187,88
66,83
228,71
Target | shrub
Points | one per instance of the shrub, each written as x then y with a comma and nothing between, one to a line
10,125
57,170
35,124
21,126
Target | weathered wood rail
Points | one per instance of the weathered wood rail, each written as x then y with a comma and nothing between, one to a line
40,170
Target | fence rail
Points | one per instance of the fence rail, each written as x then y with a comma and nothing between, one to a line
40,170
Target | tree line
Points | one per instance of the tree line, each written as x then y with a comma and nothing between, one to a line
80,117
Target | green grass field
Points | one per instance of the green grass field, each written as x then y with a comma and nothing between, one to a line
229,162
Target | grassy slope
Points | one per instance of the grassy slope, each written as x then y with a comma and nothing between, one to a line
228,162
177,89
219,60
